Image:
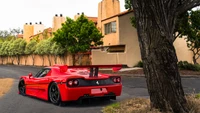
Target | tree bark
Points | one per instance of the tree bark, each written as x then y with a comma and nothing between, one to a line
33,59
55,59
18,59
155,27
48,56
74,59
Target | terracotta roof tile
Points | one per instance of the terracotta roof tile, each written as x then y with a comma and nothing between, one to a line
94,19
20,36
49,31
120,14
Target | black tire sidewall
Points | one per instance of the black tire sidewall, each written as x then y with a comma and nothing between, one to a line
22,93
59,100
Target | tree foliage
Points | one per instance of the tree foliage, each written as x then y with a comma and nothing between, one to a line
57,50
40,49
30,49
189,28
78,36
47,48
17,48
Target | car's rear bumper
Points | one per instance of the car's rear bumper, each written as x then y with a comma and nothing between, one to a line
72,94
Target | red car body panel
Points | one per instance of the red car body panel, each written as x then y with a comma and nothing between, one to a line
61,74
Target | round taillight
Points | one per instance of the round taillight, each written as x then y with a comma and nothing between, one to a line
115,80
75,82
70,83
118,80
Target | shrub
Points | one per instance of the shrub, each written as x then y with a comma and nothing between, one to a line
184,65
193,103
139,64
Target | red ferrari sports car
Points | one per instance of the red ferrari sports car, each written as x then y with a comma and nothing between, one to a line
61,83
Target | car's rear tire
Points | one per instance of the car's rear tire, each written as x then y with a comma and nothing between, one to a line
54,94
21,87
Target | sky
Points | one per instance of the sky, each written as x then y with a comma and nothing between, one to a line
15,13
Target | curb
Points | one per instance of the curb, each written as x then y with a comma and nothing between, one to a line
142,75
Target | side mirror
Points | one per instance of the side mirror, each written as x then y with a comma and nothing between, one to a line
30,75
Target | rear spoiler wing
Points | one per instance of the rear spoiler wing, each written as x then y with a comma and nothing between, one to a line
94,69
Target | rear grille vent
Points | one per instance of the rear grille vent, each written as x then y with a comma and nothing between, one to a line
83,82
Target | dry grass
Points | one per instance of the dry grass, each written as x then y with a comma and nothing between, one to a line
142,105
5,85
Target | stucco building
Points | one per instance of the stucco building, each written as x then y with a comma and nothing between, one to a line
121,44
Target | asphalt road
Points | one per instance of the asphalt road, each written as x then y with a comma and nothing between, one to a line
14,103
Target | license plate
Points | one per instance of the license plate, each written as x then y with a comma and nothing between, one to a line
98,91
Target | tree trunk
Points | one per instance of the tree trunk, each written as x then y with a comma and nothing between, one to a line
2,59
64,60
25,59
55,59
12,59
194,60
42,60
159,56
18,59
74,59
49,60
163,79
33,59
80,56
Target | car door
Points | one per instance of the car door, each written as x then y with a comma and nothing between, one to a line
33,83
42,82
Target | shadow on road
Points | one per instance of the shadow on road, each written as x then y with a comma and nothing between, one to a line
93,102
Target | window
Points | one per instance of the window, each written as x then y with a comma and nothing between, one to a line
110,27
42,73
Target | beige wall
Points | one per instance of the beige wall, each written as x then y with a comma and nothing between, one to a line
77,16
112,38
128,36
57,22
103,58
28,31
182,51
38,28
38,60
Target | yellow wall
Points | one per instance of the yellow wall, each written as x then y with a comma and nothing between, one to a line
28,31
112,38
107,8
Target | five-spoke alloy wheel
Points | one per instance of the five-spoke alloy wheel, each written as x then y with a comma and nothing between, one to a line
54,94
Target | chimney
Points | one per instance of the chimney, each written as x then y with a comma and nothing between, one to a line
60,15
56,15
30,23
40,22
